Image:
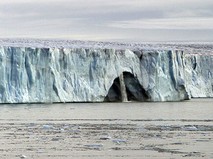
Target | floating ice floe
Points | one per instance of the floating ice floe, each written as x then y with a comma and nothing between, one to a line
94,146
190,128
23,156
119,141
46,127
105,137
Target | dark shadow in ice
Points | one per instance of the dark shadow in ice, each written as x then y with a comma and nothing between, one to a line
134,90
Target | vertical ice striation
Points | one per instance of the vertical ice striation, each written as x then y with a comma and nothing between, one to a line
33,75
199,74
61,75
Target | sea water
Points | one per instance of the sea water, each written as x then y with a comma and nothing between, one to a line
107,130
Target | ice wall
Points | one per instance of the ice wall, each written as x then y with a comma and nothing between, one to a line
45,75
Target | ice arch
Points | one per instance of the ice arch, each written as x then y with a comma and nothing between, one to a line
134,90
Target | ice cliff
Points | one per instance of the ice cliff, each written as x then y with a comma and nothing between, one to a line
56,74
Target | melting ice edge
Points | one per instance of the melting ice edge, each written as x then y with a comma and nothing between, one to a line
90,72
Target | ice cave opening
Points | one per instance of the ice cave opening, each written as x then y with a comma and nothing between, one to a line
134,90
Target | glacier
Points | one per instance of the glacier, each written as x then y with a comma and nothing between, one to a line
90,73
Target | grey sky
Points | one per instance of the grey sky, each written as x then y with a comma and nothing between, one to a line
117,20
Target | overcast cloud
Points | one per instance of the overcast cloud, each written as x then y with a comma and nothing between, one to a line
121,20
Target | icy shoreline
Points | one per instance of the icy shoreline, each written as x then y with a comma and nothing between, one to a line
92,72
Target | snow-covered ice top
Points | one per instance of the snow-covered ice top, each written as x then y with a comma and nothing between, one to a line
190,47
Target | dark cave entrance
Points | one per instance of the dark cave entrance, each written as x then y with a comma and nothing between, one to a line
134,90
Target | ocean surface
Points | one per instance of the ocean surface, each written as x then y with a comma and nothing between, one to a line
197,109
107,130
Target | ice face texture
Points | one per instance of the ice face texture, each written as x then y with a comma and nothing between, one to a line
46,75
